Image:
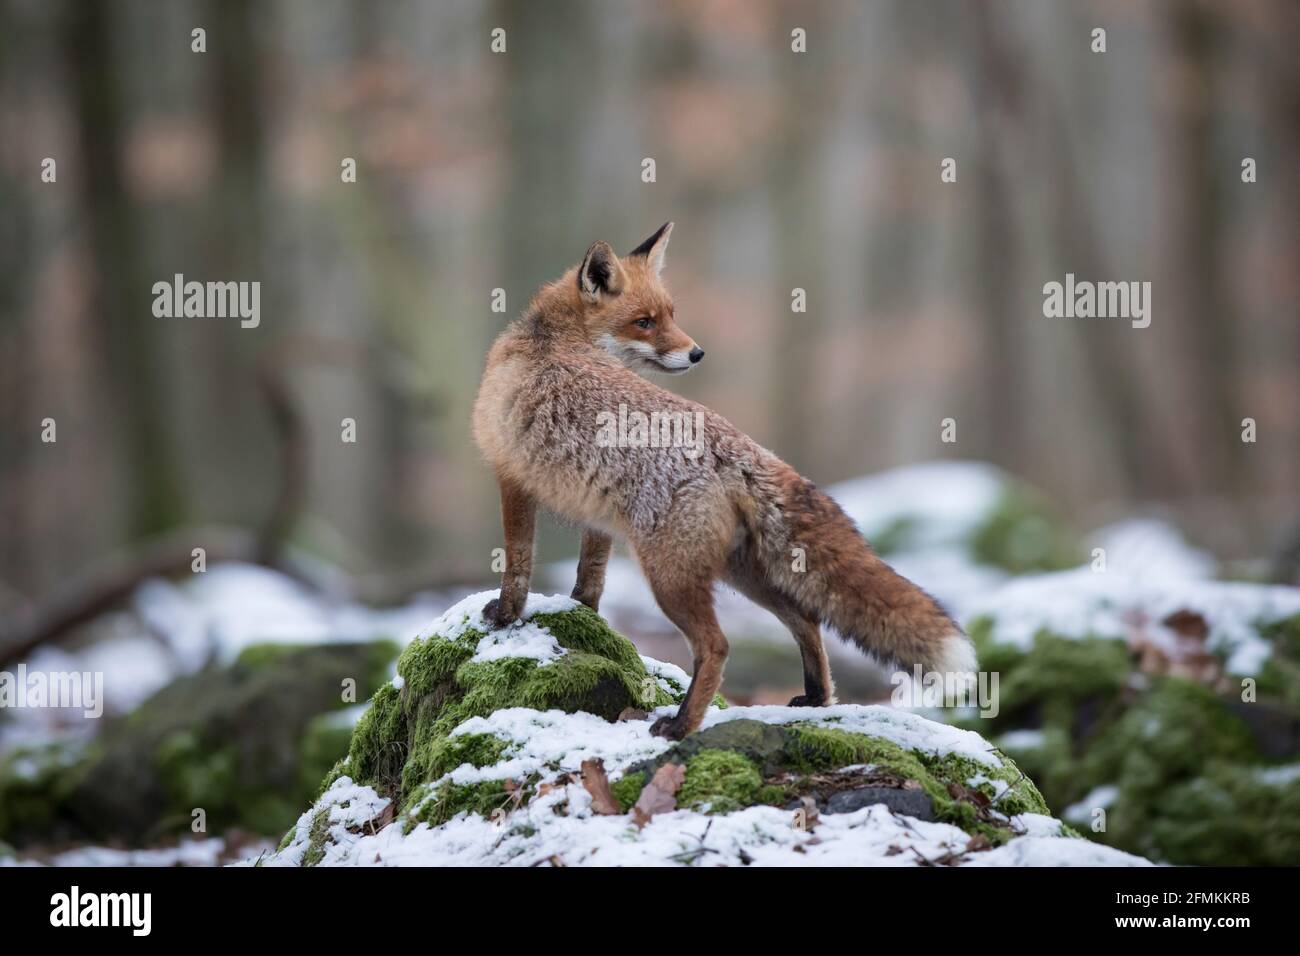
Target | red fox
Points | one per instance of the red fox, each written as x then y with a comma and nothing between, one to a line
719,508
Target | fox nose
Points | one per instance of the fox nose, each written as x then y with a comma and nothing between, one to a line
697,353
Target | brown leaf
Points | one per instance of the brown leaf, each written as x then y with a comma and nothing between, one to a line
894,850
1188,624
378,822
978,842
660,794
597,784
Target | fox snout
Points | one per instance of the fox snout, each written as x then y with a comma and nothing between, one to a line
679,360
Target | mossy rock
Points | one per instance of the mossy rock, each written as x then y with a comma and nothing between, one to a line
403,746
429,747
1167,737
1232,812
744,762
1171,748
1060,682
242,742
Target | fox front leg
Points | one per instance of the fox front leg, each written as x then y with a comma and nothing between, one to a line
518,514
591,568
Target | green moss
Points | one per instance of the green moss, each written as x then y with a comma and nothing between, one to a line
1157,740
721,780
1167,737
1021,534
1231,813
287,839
747,762
627,789
449,799
1280,675
33,781
822,748
403,744
319,833
378,750
1059,675
443,754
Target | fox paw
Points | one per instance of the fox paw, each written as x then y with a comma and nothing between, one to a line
495,615
803,700
591,602
668,728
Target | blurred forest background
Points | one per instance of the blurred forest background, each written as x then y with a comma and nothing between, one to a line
479,170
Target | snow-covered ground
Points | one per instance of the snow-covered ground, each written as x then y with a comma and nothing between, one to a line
765,836
212,851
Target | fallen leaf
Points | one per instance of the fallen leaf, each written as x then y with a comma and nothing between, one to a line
1188,624
596,781
660,794
978,842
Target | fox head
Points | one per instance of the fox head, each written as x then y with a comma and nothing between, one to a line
627,311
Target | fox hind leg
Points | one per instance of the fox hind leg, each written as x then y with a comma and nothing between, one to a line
592,561
819,689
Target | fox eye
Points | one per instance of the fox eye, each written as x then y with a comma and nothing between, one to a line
644,322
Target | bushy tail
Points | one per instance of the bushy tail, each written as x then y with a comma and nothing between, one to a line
841,582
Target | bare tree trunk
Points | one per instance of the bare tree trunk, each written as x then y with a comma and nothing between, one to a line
130,339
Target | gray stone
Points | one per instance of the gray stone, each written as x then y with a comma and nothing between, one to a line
913,803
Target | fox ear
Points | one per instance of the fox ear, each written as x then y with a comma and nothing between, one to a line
655,247
600,272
